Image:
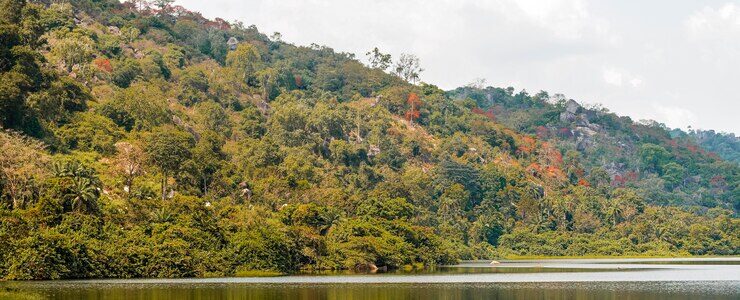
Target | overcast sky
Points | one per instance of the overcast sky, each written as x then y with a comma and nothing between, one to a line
674,61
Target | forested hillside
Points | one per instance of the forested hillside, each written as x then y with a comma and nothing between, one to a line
143,140
666,167
725,145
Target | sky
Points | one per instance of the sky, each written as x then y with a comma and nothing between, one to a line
673,61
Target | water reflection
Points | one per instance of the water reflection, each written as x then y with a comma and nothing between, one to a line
533,279
663,290
462,269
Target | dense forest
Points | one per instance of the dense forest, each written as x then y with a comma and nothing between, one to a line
141,139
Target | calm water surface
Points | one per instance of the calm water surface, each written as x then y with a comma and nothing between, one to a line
533,279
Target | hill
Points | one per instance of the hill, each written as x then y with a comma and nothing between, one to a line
725,145
667,167
143,140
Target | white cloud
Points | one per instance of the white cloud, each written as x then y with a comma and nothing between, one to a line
713,22
716,32
617,77
568,19
673,116
612,77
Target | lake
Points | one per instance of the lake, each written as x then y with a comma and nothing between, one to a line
702,278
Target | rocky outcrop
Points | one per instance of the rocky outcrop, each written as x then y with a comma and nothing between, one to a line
571,111
232,43
580,122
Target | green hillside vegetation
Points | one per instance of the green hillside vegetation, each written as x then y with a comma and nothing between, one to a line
143,140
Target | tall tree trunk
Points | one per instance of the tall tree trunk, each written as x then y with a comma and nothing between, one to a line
12,193
205,186
164,185
129,186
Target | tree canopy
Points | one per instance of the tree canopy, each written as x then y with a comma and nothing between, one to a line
140,139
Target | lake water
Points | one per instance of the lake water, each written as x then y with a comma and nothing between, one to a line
531,279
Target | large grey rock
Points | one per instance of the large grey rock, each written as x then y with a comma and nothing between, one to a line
572,106
571,111
232,43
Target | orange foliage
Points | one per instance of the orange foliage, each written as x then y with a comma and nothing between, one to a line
583,182
555,172
621,180
534,168
103,64
487,113
414,103
526,145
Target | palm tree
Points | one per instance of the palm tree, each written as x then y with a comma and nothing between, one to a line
83,190
162,215
83,194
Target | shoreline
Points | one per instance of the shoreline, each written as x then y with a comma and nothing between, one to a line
539,257
621,264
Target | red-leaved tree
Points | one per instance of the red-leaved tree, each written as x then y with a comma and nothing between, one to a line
414,102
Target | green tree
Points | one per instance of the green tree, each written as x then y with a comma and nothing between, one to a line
389,209
138,107
379,60
653,157
194,87
81,185
673,174
72,51
245,62
207,159
90,132
167,148
268,82
213,117
453,202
